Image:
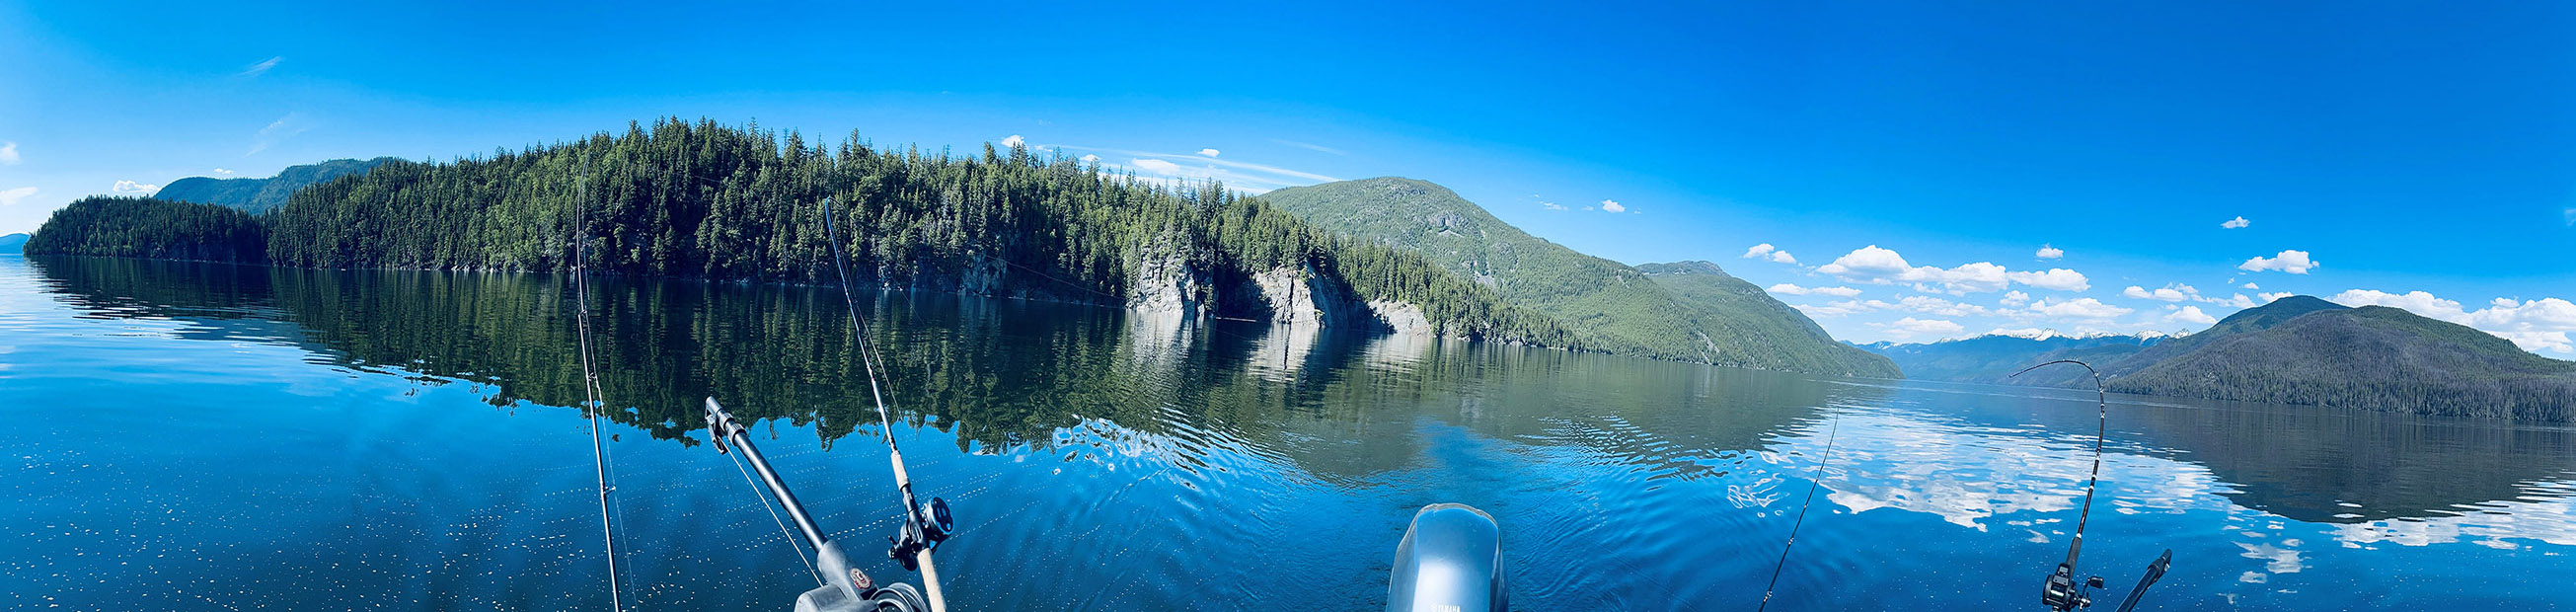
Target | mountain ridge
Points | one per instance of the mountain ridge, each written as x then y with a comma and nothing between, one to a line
1620,308
260,195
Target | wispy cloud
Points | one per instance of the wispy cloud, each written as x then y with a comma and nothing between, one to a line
2571,213
2236,223
1196,167
277,131
134,188
1014,141
223,172
1310,146
2050,252
262,67
9,157
1208,152
10,197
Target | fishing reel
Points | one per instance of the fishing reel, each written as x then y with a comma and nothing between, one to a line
921,535
2062,594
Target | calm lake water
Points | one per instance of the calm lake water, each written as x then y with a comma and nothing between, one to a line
209,437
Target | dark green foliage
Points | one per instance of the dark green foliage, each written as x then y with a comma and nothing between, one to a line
1744,326
146,227
701,200
1615,308
262,195
2369,358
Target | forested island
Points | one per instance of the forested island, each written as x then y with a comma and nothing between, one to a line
707,201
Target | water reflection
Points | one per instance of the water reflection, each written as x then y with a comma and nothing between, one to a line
1193,451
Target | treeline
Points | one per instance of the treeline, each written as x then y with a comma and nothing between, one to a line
157,229
702,200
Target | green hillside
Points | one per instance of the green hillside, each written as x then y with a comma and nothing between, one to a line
1617,308
2244,321
1744,326
2369,358
256,195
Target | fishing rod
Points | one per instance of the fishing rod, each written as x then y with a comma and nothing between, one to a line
2061,593
592,405
925,526
1830,433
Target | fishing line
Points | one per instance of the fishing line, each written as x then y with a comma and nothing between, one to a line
2102,428
591,403
789,536
1831,433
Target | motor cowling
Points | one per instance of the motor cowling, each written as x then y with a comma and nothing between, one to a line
1451,560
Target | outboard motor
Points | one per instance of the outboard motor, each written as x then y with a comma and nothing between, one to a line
1451,560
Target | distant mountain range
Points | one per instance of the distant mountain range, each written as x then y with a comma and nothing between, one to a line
2295,350
12,244
1689,311
256,195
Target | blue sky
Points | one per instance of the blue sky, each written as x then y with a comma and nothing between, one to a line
2400,148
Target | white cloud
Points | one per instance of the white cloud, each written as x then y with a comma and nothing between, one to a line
2236,223
1208,152
1014,141
2190,314
1920,303
1090,159
1158,166
1937,306
2079,308
12,196
1766,252
1789,289
2060,279
1910,327
2294,262
2014,298
1875,265
2535,325
1613,206
2050,252
8,153
223,172
134,188
2269,297
1551,205
2252,286
262,67
2237,301
2170,293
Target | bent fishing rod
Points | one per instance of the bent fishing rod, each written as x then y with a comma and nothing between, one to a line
2061,592
592,405
925,526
